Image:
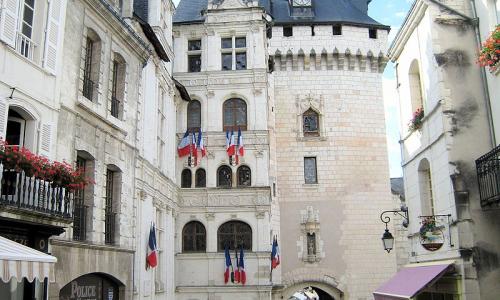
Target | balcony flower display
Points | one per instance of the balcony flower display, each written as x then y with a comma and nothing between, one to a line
489,54
416,120
61,174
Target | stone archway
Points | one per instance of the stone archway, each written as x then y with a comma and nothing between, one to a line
324,290
91,286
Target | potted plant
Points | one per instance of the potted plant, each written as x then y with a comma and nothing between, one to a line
489,54
416,120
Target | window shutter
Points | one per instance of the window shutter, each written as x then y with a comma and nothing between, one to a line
3,117
52,35
8,22
45,140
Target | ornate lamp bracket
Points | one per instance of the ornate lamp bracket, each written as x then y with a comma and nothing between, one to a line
403,212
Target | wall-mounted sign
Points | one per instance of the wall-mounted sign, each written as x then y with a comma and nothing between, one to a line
431,235
89,287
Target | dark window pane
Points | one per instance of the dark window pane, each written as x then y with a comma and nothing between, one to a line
244,176
13,134
194,237
372,33
27,30
31,3
310,120
186,178
234,234
337,30
200,178
194,45
227,61
288,31
194,116
194,63
241,42
241,61
227,43
310,173
224,177
235,115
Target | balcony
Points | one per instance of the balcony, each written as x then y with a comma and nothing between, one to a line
488,177
24,195
25,46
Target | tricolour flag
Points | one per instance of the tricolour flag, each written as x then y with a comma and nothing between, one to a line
201,145
237,272
275,255
241,149
230,146
194,149
184,146
241,265
151,258
228,264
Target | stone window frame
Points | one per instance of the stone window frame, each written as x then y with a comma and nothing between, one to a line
87,193
202,234
316,181
234,109
185,176
234,51
94,66
241,169
230,180
160,221
304,103
193,53
118,82
113,188
197,178
189,112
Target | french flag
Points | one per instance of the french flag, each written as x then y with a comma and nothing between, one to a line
201,145
230,146
241,266
237,272
241,148
228,273
151,258
275,255
184,146
194,150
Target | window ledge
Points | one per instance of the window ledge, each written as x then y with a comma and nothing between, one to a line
312,138
310,185
91,107
29,61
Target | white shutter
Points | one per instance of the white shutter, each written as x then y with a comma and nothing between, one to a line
45,140
3,117
8,21
52,35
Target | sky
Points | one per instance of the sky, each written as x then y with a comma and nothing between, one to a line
392,13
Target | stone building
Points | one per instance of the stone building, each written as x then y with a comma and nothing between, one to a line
302,80
453,227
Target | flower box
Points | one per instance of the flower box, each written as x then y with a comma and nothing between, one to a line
416,121
489,54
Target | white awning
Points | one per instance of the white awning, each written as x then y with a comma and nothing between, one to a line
19,261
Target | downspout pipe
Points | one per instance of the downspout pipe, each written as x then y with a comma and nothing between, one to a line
487,99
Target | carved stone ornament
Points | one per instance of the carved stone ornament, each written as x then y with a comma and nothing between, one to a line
310,245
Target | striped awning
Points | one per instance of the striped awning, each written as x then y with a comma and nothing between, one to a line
18,261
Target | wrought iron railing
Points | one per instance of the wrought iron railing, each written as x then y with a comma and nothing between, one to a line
115,107
27,193
488,176
25,46
109,230
80,222
88,88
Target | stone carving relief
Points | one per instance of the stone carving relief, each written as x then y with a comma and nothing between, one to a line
309,244
198,199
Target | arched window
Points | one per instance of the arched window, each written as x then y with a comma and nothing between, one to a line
186,178
194,116
194,237
235,114
310,121
415,86
201,178
425,188
234,234
224,177
92,65
244,176
118,86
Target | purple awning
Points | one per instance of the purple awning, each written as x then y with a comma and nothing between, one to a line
409,281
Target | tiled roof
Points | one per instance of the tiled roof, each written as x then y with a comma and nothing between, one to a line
325,12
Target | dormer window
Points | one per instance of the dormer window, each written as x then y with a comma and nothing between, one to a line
301,8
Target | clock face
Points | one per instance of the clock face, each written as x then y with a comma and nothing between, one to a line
301,2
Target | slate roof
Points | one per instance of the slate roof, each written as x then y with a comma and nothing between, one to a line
325,12
398,186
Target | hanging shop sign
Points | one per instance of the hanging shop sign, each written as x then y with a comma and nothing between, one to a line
89,287
431,235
